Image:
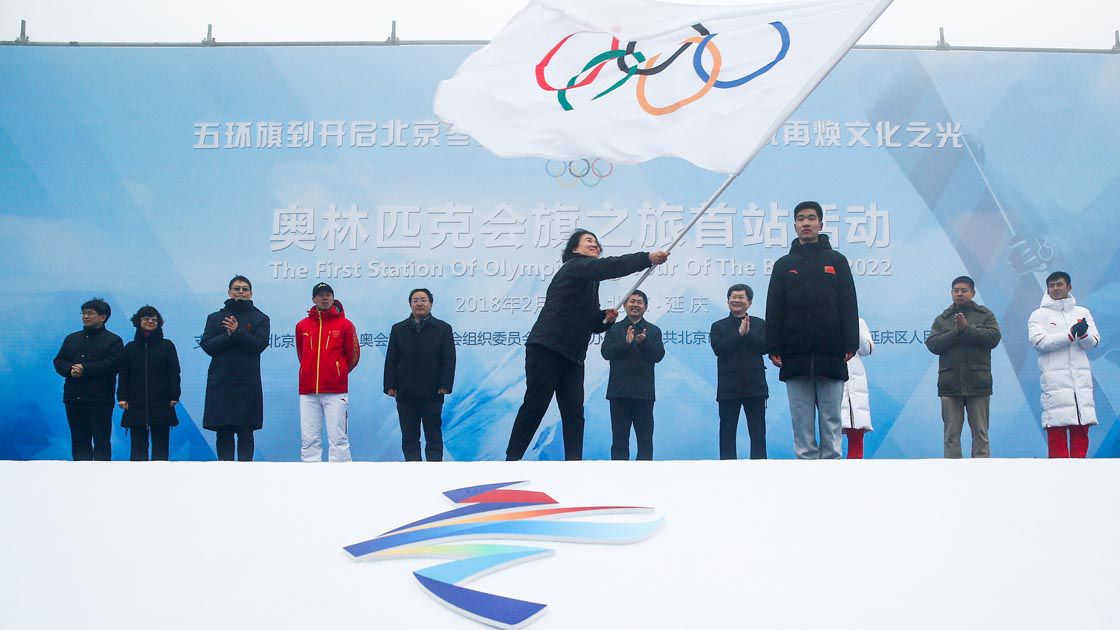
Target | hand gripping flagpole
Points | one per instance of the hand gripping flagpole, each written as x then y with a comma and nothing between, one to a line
778,122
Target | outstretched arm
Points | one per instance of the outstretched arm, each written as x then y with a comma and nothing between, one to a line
609,267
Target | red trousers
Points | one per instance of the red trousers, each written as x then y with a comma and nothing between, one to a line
1078,445
855,443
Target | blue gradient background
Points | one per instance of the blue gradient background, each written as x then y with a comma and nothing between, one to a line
102,194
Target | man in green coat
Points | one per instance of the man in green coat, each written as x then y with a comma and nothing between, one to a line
963,337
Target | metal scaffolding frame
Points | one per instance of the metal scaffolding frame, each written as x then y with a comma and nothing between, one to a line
393,40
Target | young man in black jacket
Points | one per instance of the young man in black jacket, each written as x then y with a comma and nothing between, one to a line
557,345
419,372
739,342
633,346
812,330
88,360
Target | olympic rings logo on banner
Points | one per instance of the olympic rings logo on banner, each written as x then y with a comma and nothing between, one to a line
709,79
582,171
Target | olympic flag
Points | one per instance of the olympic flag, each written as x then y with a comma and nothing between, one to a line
631,80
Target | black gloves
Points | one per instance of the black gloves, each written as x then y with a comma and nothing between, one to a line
1080,329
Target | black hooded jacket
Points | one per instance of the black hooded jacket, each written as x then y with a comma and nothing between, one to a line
812,318
571,312
149,381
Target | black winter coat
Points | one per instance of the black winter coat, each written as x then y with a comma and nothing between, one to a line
632,365
740,370
234,397
811,311
149,381
571,312
420,363
99,351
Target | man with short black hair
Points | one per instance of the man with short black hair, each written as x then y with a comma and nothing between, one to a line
812,330
327,348
234,337
88,360
419,372
963,337
633,347
1062,331
739,342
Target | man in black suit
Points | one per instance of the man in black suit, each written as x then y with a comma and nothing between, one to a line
419,372
633,346
739,342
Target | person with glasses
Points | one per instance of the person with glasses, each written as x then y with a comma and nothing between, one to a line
234,337
148,387
88,360
419,372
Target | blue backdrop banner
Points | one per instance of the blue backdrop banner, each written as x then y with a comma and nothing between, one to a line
153,175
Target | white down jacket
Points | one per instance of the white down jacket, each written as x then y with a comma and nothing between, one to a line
1067,382
855,408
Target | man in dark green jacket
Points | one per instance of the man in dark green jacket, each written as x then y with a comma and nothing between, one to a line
963,337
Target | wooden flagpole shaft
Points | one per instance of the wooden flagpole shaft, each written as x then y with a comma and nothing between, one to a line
680,236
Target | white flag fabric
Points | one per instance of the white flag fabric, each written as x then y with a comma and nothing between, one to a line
631,80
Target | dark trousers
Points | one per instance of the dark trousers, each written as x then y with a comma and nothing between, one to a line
624,413
755,409
225,444
417,412
91,428
161,437
548,373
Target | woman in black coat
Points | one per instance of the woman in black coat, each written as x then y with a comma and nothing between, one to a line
557,344
235,337
148,386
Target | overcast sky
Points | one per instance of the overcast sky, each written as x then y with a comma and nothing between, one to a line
1035,23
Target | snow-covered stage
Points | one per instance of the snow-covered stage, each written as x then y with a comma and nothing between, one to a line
740,544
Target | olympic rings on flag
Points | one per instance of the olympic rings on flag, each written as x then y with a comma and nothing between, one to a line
569,173
591,71
723,85
717,61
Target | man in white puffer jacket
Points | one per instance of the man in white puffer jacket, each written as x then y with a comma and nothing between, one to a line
1061,332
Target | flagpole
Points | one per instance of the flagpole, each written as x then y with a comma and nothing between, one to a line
778,122
719,191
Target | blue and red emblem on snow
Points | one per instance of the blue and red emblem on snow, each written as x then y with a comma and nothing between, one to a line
495,512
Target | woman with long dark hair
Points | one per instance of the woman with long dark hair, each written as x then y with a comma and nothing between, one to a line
148,389
557,345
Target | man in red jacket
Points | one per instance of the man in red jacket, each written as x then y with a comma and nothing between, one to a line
327,347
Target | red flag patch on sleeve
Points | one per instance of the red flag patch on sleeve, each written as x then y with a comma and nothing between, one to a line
830,269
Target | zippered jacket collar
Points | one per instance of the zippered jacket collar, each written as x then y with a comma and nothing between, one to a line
334,312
